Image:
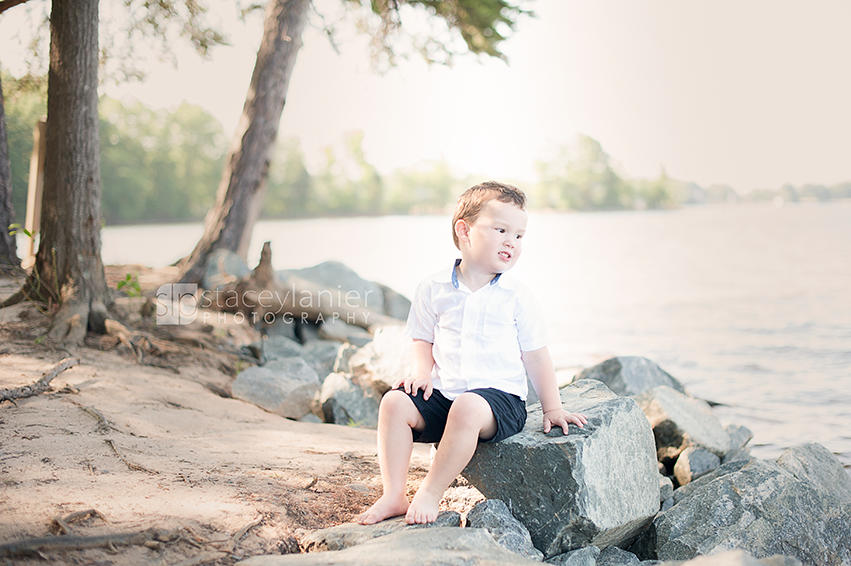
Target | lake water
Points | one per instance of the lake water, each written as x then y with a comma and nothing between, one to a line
747,305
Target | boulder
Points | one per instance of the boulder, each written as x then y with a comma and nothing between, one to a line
762,509
737,558
815,464
597,485
341,331
614,556
352,534
385,359
275,347
680,421
694,462
346,286
286,386
739,437
666,488
223,267
439,546
346,403
396,305
321,356
585,556
493,515
631,375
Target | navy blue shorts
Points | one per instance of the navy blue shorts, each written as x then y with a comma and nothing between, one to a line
508,410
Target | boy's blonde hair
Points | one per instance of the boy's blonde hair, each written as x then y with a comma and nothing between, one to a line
474,199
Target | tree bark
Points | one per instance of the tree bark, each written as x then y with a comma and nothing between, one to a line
8,247
230,222
68,261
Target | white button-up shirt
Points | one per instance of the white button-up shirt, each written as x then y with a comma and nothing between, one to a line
477,336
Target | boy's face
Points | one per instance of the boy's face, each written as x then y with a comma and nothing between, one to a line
494,241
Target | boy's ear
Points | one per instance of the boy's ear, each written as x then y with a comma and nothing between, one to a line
462,230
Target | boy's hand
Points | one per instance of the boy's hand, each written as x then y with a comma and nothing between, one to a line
560,417
413,383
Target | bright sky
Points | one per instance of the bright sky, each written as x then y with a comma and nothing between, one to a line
751,94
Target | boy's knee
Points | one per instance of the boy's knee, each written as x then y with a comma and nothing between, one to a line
468,404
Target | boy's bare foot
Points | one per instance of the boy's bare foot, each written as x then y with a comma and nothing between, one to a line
384,508
423,508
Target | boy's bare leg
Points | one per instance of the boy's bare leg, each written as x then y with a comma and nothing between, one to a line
470,418
397,415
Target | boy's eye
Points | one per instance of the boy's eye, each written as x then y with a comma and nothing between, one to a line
519,236
501,230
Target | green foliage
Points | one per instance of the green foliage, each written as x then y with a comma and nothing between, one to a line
130,286
158,165
15,229
443,29
26,103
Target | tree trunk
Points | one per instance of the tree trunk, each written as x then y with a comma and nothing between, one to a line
68,261
8,247
230,222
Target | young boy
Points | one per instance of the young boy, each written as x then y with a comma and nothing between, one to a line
476,335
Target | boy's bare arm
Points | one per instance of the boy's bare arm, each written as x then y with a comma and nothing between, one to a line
422,362
539,367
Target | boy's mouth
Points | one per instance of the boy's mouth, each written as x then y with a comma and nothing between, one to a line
505,255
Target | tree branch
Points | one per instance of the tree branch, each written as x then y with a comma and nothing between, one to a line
41,385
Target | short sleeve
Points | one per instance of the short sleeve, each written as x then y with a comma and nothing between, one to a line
421,317
531,331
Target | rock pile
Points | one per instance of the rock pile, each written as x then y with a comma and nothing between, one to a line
330,371
652,477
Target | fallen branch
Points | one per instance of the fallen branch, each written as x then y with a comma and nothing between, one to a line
33,547
66,528
240,533
39,386
129,464
202,559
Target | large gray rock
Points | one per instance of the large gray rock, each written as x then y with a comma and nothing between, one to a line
762,509
440,546
737,558
321,355
285,386
352,534
385,359
631,375
276,347
597,485
396,305
817,465
614,556
354,290
223,267
680,421
739,437
346,403
693,463
339,330
585,556
493,515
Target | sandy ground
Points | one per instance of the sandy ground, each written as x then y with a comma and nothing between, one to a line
149,446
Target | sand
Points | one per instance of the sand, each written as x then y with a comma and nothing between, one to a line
149,446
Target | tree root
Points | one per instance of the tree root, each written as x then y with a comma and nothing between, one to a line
65,528
39,386
34,546
103,424
129,464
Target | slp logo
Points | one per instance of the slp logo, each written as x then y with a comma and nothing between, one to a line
176,303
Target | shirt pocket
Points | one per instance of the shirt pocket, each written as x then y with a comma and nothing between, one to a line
499,321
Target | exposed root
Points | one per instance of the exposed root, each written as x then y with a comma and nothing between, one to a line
39,386
129,464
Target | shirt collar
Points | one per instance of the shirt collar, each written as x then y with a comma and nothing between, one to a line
455,282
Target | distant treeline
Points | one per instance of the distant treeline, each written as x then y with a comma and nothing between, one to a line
164,166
